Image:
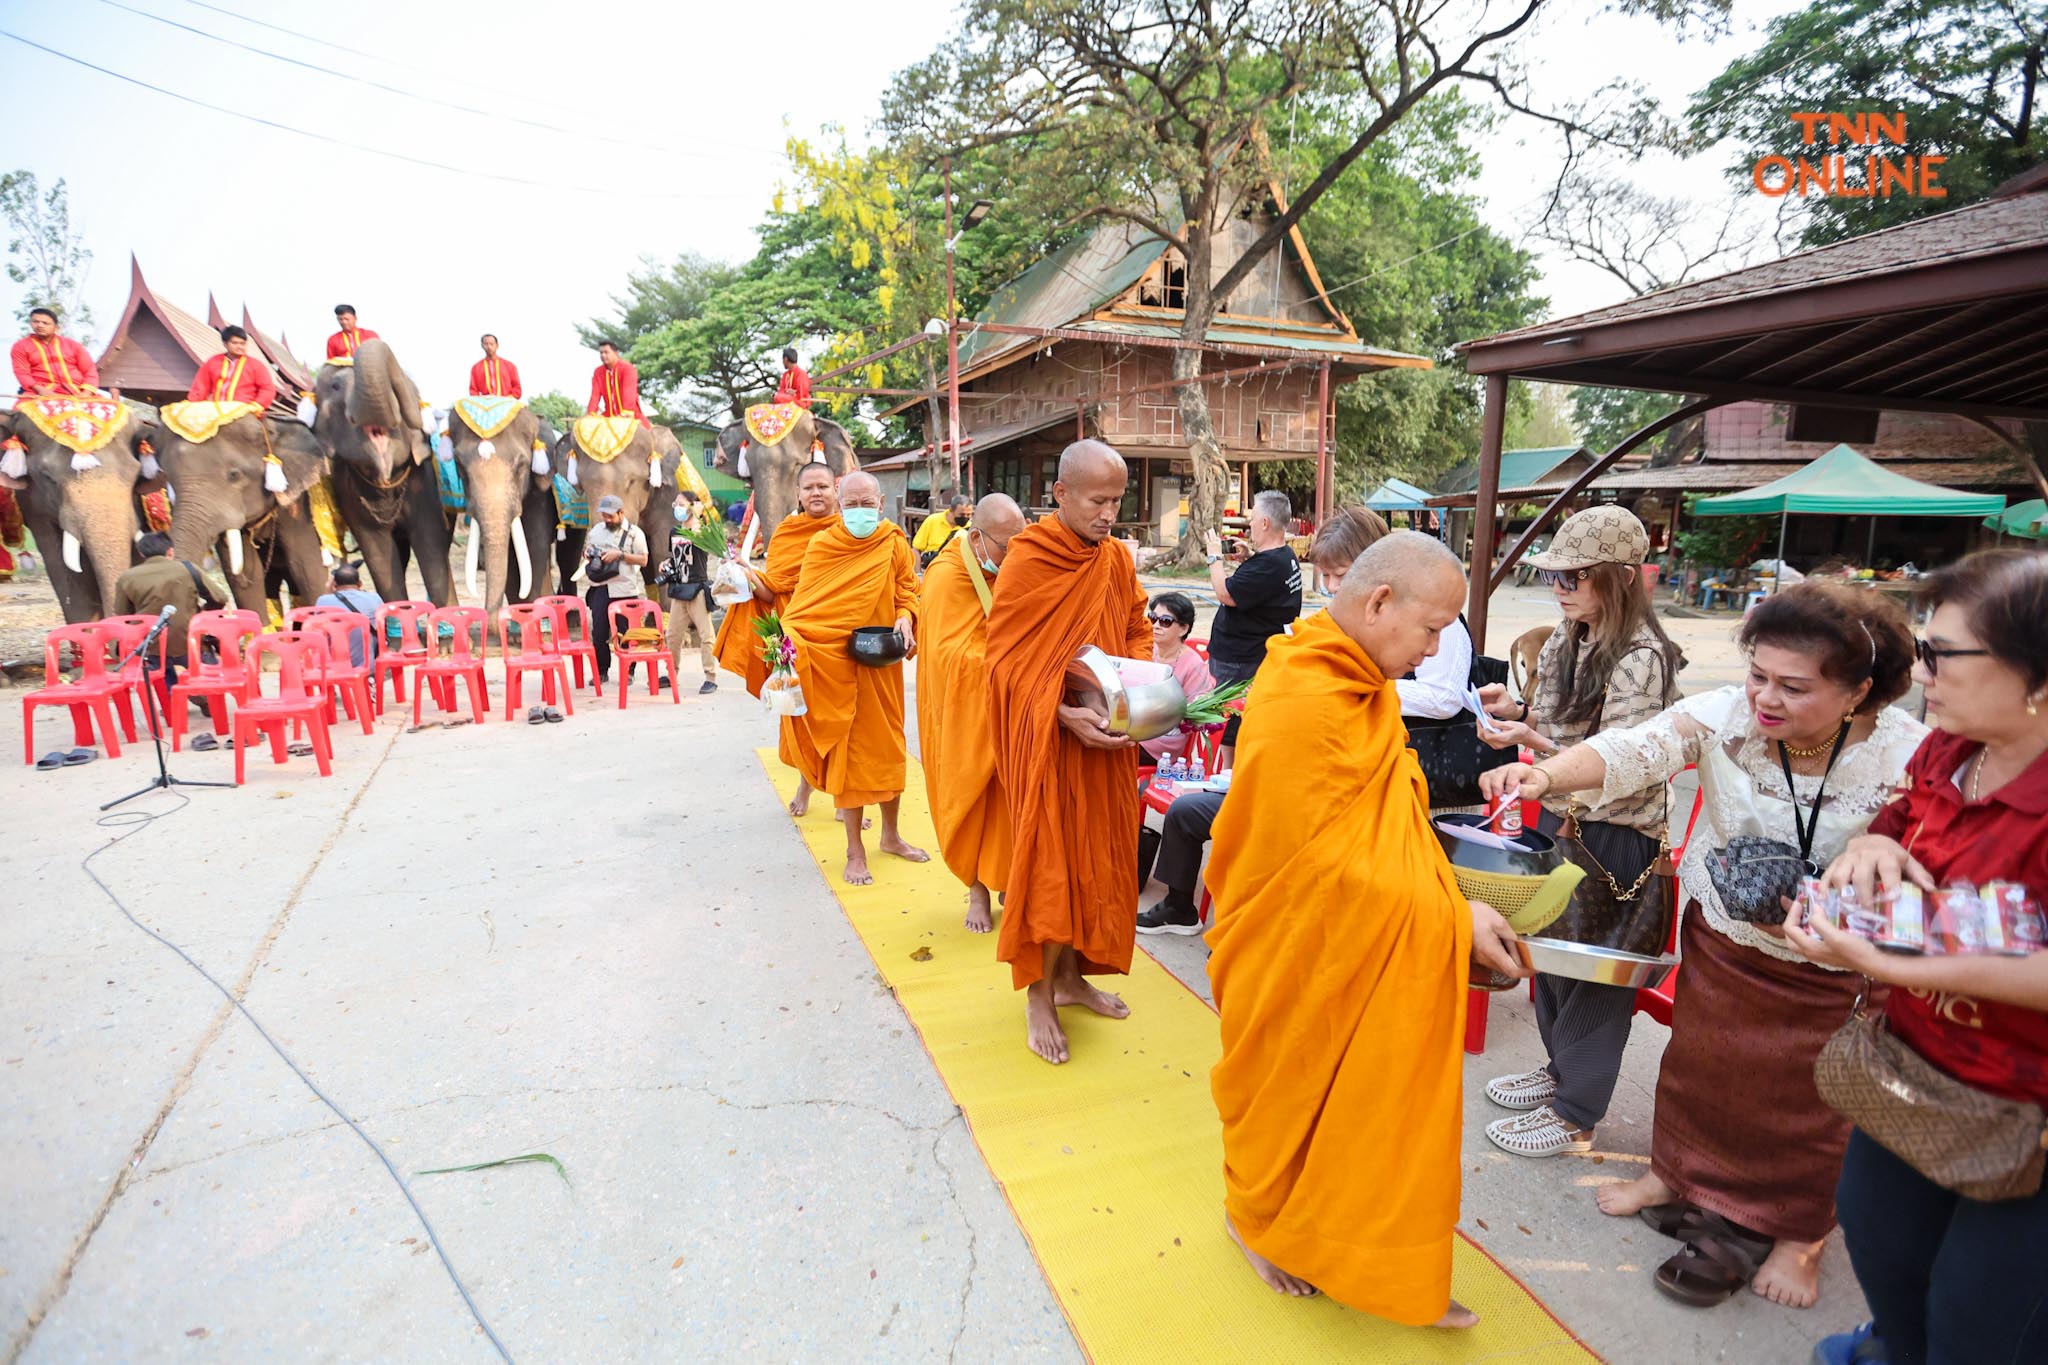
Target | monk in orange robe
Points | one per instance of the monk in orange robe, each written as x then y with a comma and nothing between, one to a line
1072,784
1339,959
953,737
849,743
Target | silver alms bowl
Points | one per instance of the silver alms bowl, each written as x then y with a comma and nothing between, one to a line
1140,710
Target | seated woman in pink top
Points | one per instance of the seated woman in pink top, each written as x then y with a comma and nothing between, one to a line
1173,616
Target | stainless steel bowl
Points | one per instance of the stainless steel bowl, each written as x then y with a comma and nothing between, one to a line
1584,962
1140,710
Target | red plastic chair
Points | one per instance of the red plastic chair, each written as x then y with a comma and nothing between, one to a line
536,653
131,631
412,649
1656,1001
572,634
230,633
297,617
300,700
637,613
91,698
462,663
1201,648
348,634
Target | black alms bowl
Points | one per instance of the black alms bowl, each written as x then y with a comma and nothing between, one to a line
1537,862
876,646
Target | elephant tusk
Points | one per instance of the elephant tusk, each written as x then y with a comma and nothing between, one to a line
71,553
476,536
525,559
235,552
486,449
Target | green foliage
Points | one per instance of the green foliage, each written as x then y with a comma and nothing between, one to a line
1966,73
1606,417
1723,542
557,407
44,254
1543,422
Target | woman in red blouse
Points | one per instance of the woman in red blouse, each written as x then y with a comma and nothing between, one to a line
1952,1279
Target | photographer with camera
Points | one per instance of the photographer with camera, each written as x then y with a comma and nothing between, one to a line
1257,598
685,581
612,560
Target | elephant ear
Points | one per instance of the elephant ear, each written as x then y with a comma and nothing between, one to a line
304,459
838,446
730,437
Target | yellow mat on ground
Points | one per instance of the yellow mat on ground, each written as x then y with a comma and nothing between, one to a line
1113,1163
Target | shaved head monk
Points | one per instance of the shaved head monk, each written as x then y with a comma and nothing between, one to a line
953,735
737,647
1071,783
1340,956
849,744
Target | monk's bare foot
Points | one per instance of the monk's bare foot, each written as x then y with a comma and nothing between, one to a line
1790,1275
1276,1279
857,873
1633,1196
1042,1026
909,853
1077,991
979,921
1458,1316
801,802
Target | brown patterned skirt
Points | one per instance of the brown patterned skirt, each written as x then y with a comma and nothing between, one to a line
1739,1129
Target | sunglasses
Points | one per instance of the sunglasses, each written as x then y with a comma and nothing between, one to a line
1930,658
1563,578
1168,621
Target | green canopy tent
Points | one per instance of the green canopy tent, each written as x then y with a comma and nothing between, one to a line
1842,483
2024,519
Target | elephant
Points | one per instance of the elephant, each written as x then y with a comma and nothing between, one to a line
219,495
626,477
88,514
511,505
368,420
772,470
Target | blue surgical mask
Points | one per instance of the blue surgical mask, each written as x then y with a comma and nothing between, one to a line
861,521
988,566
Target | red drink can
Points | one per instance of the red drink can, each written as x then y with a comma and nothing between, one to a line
1504,815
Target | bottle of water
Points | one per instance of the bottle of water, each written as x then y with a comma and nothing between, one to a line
1179,770
1199,776
1162,774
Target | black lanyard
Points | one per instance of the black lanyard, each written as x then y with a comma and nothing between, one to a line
1807,832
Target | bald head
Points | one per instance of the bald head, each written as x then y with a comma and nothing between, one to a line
860,489
1090,489
1398,597
997,517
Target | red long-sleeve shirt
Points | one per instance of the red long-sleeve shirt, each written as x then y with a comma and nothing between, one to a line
59,365
344,343
224,379
794,387
615,391
493,377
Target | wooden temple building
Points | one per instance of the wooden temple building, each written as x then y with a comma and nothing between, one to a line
1082,343
158,347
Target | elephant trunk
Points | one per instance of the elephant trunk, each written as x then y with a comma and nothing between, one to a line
372,399
99,516
196,523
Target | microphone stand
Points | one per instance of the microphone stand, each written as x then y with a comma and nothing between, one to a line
163,781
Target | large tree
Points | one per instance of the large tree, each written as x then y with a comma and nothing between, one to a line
43,254
1967,74
1155,112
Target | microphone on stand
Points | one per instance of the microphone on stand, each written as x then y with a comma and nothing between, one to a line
163,618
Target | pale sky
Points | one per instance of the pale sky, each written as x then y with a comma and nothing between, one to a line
663,132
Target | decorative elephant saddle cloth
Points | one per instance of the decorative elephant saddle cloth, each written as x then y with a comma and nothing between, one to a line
201,422
341,360
602,438
488,416
770,422
80,425
326,519
454,497
571,509
156,510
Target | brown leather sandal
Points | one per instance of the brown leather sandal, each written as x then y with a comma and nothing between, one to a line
1718,1259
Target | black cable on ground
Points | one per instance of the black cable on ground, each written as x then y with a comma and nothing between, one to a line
134,822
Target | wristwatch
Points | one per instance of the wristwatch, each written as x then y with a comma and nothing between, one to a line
1215,559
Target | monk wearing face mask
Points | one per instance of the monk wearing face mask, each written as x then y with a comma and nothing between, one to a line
850,744
953,735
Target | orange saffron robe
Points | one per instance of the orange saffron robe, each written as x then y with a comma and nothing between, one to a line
1338,961
737,647
849,742
953,736
1073,810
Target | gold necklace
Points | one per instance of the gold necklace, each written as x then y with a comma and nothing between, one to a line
1976,792
1815,751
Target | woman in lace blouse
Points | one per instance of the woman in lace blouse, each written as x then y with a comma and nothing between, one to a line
1744,1155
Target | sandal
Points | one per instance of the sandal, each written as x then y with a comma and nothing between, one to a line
78,756
206,743
1714,1266
552,716
299,750
1522,1092
534,716
1676,1219
1539,1132
452,724
52,759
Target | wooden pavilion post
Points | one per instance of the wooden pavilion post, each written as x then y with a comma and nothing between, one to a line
1322,444
1492,427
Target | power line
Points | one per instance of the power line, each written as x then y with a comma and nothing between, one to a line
323,137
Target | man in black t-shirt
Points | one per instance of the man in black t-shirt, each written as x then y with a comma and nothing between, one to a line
1259,599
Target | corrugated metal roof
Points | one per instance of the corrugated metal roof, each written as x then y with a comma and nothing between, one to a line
1073,281
1224,337
1518,469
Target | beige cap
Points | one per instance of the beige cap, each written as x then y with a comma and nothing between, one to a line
1598,535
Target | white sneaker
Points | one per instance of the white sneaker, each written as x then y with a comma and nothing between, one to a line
1540,1132
1522,1092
